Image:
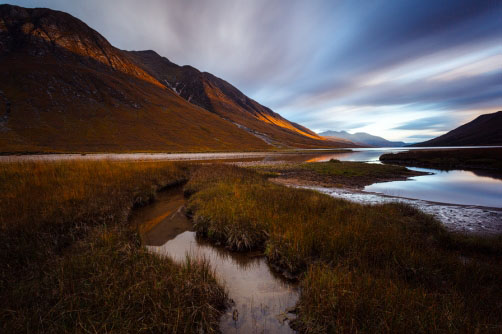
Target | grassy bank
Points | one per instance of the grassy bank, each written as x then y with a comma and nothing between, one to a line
479,158
70,262
336,173
369,269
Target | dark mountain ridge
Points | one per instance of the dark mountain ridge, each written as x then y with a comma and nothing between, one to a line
485,130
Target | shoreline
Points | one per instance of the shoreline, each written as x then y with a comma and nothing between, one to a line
185,156
458,218
483,158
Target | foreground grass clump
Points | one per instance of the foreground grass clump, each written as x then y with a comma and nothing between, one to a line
70,262
385,268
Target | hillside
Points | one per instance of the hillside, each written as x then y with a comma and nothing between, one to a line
363,138
220,97
485,130
65,88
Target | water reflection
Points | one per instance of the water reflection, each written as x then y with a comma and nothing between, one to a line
471,219
487,173
162,220
260,296
363,155
454,187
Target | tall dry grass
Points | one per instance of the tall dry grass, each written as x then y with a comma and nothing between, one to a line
70,262
369,269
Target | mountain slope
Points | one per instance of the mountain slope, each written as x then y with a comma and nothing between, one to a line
220,97
363,138
485,130
65,88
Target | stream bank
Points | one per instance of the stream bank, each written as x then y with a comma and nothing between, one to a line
260,298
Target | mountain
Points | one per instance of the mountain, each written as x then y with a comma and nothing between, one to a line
220,97
363,138
65,88
485,130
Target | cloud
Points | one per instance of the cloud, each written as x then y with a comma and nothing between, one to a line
321,62
440,123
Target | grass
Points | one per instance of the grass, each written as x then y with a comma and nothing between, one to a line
368,269
355,169
479,158
71,263
338,173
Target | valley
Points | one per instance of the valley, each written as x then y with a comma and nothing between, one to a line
250,167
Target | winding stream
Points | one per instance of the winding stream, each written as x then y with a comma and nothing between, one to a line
462,200
261,298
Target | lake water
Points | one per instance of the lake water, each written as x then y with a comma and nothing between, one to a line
454,187
372,155
478,188
465,201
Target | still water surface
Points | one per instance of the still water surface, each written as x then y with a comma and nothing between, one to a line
453,187
261,298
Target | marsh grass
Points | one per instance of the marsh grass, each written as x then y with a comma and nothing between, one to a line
372,269
71,263
335,173
355,169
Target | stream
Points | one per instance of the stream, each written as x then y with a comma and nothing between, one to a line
260,297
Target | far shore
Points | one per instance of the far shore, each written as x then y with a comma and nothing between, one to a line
210,155
447,159
166,156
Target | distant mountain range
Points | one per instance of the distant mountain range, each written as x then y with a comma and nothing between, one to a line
362,138
485,130
65,88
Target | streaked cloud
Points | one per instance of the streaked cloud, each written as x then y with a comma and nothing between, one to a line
400,69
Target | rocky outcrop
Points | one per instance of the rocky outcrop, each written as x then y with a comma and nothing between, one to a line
43,32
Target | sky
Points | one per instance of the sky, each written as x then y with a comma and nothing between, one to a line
405,70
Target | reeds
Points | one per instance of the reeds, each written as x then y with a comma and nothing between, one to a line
371,269
71,263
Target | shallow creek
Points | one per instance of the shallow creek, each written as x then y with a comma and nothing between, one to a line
260,297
